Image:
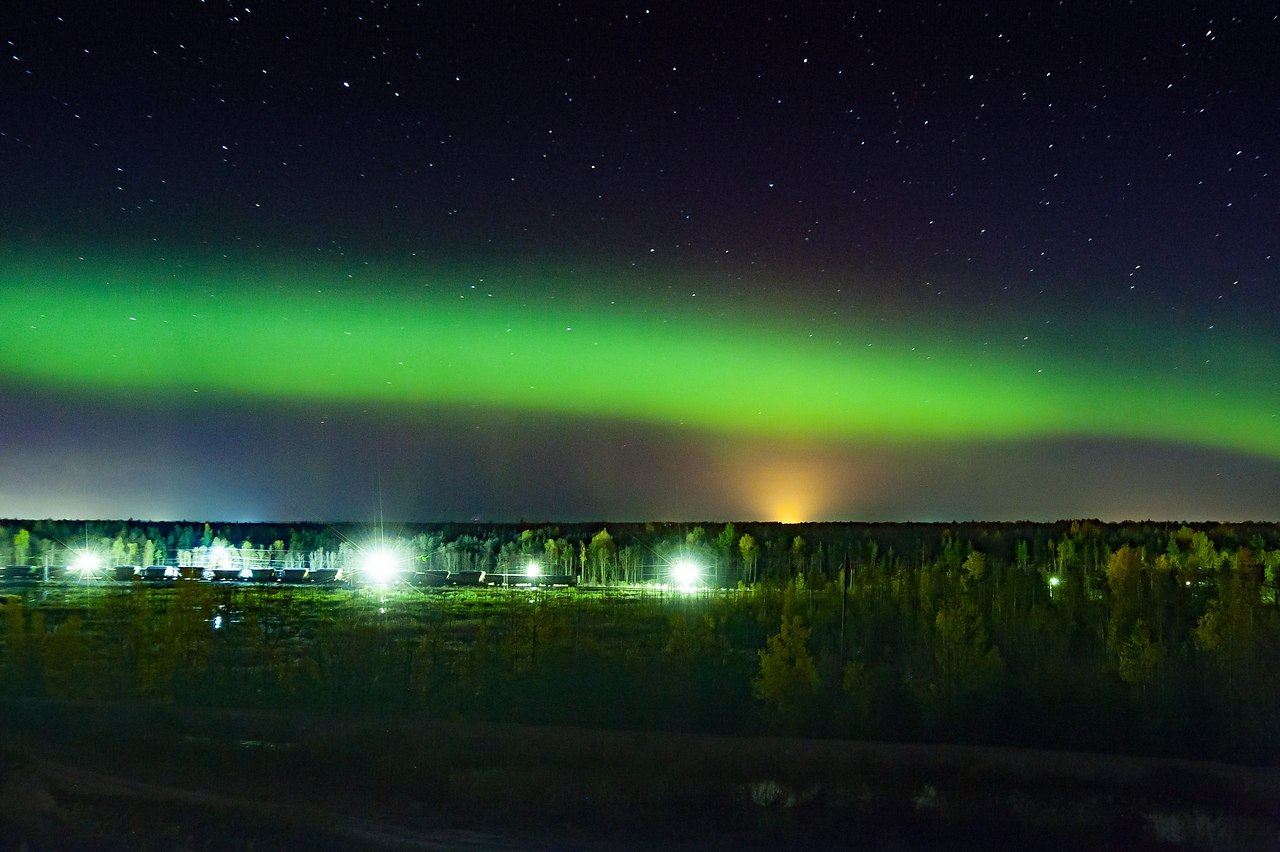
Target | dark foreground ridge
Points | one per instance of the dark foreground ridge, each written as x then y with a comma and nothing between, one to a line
124,776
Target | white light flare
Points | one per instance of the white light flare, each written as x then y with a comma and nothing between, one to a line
382,565
685,574
86,564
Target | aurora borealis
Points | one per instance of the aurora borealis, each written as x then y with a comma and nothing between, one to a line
318,339
791,311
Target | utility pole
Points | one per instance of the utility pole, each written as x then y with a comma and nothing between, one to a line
844,602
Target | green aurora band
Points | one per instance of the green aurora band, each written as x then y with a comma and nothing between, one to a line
421,338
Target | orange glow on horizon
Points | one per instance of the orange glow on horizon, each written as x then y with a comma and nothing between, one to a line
790,513
792,490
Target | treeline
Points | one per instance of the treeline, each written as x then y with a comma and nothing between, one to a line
632,553
1172,652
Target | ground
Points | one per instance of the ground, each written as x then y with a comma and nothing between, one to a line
80,776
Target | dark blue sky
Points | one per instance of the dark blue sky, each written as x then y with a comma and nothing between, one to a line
1077,170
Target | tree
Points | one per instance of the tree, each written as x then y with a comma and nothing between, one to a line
21,547
14,662
67,673
798,551
724,541
787,682
629,564
1137,656
602,550
1211,629
975,569
724,549
967,661
1203,553
1124,578
1022,559
750,553
1270,572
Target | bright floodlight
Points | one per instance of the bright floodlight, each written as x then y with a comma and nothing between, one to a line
381,565
86,564
1054,581
219,556
533,569
684,574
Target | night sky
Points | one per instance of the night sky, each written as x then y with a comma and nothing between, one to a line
629,261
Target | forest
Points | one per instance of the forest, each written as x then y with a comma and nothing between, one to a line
1148,638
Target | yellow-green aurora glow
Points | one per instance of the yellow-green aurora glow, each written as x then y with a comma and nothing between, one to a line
414,337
